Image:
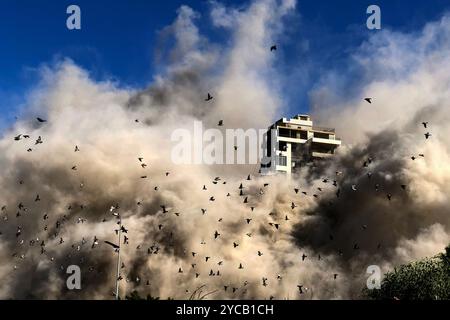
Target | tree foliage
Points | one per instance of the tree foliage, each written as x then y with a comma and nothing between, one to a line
134,295
427,279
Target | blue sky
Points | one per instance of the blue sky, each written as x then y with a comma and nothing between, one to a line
118,39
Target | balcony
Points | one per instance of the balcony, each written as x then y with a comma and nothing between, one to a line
335,142
321,154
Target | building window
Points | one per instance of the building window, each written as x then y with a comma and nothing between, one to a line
321,135
282,161
282,132
282,146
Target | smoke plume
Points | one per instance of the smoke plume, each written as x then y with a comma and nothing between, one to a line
56,201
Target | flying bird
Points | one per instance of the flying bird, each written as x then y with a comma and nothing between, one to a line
41,120
209,97
427,135
369,100
300,288
95,242
425,124
273,48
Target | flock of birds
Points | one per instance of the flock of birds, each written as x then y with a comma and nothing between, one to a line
274,222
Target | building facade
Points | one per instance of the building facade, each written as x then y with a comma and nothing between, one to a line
294,143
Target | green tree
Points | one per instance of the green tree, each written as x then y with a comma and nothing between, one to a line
427,279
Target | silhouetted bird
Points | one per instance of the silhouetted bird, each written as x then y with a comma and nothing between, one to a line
209,97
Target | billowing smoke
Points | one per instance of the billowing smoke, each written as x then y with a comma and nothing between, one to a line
104,146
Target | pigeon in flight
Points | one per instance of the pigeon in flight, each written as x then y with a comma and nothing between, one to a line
273,48
300,288
95,242
425,124
427,135
41,120
209,97
369,100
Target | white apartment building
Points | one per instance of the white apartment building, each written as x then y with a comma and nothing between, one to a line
293,143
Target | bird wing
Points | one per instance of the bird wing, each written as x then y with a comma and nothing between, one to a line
115,246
